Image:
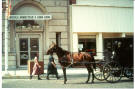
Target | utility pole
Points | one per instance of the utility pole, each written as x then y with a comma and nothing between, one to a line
6,38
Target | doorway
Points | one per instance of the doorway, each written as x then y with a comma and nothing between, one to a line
28,46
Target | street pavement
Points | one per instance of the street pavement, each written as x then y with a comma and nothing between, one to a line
75,81
76,78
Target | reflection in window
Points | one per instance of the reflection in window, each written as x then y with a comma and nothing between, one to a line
23,44
34,44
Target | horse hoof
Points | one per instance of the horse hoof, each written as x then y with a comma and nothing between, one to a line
65,82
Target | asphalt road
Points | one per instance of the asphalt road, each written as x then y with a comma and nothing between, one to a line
74,81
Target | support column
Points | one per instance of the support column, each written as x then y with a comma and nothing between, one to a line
75,42
46,37
99,45
70,27
6,39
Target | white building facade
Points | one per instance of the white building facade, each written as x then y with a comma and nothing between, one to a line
92,21
75,25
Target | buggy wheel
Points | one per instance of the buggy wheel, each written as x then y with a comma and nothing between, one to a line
112,72
98,72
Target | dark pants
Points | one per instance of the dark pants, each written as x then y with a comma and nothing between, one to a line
55,74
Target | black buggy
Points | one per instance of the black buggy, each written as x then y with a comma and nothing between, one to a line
118,61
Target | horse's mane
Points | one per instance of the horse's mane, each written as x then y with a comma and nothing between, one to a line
62,51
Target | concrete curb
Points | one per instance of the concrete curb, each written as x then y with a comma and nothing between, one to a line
16,77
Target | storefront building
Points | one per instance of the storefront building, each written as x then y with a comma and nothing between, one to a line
94,21
32,27
75,25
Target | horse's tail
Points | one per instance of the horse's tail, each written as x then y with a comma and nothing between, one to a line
93,60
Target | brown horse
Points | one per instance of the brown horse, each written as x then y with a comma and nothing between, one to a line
66,59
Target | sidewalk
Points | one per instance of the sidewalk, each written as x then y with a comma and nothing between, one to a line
23,74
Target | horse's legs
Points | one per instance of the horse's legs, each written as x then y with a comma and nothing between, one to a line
88,69
92,76
89,72
64,72
88,76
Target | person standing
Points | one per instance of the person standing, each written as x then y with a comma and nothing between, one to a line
52,69
36,67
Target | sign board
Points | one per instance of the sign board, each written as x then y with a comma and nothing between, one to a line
30,17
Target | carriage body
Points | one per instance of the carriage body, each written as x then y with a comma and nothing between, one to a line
121,62
124,52
118,60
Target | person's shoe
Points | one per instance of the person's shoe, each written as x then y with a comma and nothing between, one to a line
30,77
58,78
47,78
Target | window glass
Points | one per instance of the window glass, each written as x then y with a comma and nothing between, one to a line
58,38
87,45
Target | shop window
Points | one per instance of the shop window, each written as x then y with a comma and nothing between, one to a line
110,42
87,45
29,24
113,44
58,38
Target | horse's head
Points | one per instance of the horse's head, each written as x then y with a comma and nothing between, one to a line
52,48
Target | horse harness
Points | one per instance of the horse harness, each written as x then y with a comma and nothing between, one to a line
66,56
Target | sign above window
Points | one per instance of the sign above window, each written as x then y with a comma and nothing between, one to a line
30,17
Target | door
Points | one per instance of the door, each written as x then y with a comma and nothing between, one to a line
29,45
